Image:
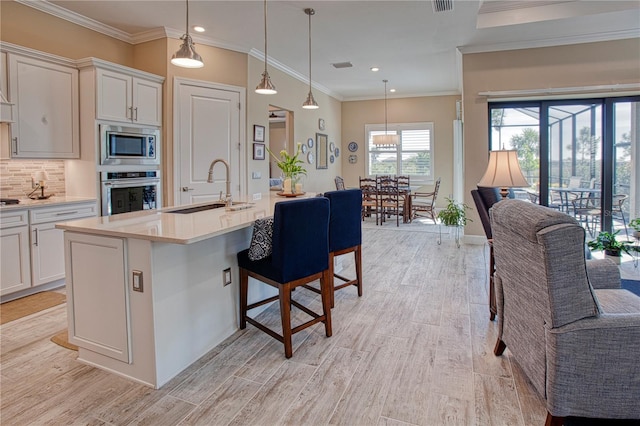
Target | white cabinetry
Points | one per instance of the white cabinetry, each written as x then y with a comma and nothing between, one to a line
47,242
127,98
32,249
46,101
14,251
97,303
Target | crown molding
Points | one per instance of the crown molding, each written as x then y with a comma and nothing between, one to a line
552,42
76,18
404,96
43,56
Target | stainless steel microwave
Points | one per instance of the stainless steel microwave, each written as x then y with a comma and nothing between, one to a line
129,146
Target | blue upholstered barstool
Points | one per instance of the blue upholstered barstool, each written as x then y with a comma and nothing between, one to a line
345,234
300,254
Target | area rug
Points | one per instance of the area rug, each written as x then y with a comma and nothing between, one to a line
62,339
28,305
632,285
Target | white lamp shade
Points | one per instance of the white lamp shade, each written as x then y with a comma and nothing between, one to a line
41,176
385,139
503,171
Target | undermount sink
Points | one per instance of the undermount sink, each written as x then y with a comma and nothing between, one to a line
218,204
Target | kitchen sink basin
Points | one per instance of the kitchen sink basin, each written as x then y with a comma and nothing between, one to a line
216,205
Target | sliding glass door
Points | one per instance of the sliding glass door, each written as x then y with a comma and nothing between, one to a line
579,156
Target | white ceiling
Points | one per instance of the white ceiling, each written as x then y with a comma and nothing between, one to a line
415,48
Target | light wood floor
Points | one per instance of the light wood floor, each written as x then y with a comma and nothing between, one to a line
415,349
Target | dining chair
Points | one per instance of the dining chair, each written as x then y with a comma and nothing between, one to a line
390,200
369,189
339,183
617,206
299,255
424,202
587,212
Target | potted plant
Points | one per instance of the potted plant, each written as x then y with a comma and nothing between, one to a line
612,248
291,168
454,214
635,224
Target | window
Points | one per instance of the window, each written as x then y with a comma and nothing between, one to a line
412,156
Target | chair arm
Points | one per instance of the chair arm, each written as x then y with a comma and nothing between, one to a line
422,194
603,273
592,367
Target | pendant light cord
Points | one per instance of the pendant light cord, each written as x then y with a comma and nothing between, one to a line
385,106
187,26
265,35
310,12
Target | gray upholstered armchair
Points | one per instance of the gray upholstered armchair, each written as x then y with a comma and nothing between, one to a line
566,321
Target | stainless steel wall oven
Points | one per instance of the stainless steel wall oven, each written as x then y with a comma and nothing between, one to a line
124,192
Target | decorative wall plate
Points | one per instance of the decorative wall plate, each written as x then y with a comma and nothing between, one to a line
331,159
331,146
353,146
321,124
353,159
337,152
310,157
310,142
303,148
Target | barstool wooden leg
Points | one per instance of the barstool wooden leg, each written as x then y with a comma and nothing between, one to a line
244,287
326,292
358,255
285,312
332,288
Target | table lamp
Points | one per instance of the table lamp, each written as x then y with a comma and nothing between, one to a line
41,177
503,172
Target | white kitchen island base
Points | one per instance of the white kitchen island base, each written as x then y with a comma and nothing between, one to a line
182,312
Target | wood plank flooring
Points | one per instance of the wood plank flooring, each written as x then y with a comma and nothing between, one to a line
416,349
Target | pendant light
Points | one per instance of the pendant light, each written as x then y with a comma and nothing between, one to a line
310,103
186,56
265,87
385,139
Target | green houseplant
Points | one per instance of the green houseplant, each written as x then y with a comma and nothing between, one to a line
454,214
607,242
635,224
291,167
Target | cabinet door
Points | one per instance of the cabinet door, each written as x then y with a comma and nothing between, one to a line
47,113
14,259
97,302
113,96
47,253
147,102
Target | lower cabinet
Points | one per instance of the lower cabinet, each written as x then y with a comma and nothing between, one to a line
97,300
15,271
31,248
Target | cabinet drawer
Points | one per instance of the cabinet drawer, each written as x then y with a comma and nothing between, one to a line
62,213
11,218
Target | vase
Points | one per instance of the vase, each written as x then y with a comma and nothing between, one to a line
286,185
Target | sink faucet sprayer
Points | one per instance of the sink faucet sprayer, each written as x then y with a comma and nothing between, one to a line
227,198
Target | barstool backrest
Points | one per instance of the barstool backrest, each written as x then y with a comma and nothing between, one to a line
301,237
345,223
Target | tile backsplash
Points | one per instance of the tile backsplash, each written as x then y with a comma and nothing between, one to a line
15,177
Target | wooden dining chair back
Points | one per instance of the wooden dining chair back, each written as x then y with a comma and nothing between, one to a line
339,183
390,201
423,202
369,189
299,255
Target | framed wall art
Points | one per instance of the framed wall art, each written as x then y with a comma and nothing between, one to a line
258,133
258,151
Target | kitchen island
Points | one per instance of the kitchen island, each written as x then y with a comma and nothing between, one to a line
146,291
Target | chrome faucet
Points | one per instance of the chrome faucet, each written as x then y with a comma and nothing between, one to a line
227,198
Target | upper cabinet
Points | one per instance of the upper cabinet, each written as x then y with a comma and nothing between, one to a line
46,101
128,99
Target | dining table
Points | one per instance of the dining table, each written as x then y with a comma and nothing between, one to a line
565,193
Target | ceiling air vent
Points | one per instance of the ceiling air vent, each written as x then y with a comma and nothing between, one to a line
342,65
442,5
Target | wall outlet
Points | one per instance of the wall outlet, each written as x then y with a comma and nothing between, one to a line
256,175
226,277
257,196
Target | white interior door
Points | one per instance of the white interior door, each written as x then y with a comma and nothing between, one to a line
208,126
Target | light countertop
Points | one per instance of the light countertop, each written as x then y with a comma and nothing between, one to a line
163,226
27,203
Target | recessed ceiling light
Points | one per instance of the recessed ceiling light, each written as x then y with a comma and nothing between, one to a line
198,29
392,90
375,69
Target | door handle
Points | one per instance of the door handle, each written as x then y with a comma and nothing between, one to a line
186,189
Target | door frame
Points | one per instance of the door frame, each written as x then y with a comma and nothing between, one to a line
242,123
